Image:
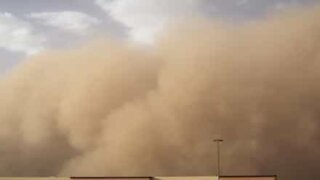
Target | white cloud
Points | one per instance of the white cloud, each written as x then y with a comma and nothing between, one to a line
145,18
70,21
280,5
18,36
242,2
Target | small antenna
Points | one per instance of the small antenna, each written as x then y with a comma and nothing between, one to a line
218,141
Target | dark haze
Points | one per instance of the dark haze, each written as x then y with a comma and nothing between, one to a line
109,108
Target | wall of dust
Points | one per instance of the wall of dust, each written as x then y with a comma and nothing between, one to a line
110,108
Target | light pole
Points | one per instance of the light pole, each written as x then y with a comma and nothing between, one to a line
218,141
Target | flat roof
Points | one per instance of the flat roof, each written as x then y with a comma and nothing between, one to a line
229,177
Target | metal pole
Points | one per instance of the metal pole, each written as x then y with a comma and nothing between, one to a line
218,141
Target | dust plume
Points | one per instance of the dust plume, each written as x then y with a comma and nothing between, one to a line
110,108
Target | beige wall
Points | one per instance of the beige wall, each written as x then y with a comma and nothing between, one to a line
111,178
132,178
68,178
154,178
34,178
188,178
247,178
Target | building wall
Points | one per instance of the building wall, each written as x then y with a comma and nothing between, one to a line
145,178
248,178
188,178
111,178
34,178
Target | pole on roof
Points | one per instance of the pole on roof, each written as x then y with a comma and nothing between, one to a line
218,141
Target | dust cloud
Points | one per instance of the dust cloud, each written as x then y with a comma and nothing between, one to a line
110,108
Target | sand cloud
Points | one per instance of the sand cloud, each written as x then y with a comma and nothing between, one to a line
111,108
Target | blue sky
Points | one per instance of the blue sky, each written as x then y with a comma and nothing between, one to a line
29,27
